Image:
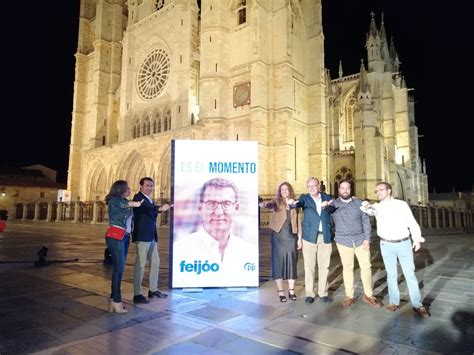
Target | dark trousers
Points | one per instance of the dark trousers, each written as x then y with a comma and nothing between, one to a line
119,250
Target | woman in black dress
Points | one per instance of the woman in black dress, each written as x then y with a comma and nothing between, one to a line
286,239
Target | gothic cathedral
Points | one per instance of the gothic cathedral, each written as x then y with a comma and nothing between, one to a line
149,71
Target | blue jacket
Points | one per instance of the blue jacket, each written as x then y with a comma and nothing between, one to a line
144,221
118,212
311,218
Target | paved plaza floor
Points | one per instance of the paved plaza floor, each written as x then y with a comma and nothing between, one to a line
61,308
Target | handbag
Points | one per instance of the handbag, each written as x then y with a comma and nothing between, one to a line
115,232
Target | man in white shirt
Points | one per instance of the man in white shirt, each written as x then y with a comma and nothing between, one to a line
213,256
395,223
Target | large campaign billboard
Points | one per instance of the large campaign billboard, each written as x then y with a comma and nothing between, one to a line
215,219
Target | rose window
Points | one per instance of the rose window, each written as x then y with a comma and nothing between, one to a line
153,74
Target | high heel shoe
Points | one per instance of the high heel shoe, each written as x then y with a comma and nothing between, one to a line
117,307
291,296
282,298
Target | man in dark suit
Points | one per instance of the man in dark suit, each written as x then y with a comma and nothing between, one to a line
145,237
317,239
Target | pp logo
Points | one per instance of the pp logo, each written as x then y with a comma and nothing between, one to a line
249,266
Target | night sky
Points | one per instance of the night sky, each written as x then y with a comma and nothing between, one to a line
40,74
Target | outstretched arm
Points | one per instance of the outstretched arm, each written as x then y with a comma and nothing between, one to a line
269,205
368,209
300,203
329,206
134,203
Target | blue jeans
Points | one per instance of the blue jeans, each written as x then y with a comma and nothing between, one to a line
119,250
404,253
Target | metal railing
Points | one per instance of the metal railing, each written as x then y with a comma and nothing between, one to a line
96,212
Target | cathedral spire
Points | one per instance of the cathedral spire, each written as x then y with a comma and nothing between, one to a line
340,69
394,55
393,51
382,34
364,85
384,50
403,83
373,45
364,95
373,27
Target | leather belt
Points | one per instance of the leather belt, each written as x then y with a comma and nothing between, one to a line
395,241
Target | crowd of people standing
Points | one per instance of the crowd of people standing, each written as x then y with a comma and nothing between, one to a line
313,222
344,220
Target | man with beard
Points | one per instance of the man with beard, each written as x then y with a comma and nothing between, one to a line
352,238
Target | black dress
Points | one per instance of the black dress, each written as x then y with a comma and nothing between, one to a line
284,254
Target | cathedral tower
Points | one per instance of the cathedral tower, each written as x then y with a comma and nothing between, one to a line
98,61
150,71
368,140
262,78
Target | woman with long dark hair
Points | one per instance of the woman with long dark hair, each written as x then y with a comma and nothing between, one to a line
118,237
286,239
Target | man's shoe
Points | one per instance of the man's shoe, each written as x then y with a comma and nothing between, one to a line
156,294
347,302
140,299
392,307
309,300
372,301
422,312
325,299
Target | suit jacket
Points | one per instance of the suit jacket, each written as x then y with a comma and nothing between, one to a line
311,218
144,221
279,217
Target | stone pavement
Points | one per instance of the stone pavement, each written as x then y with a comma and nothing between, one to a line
61,308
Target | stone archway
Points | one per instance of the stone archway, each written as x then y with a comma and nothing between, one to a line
132,170
343,173
164,172
97,182
400,188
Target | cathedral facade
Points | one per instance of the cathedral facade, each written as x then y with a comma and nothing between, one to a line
149,71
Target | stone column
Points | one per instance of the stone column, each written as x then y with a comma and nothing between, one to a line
428,214
437,217
37,212
419,214
95,212
49,214
450,215
77,207
443,216
59,210
25,212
